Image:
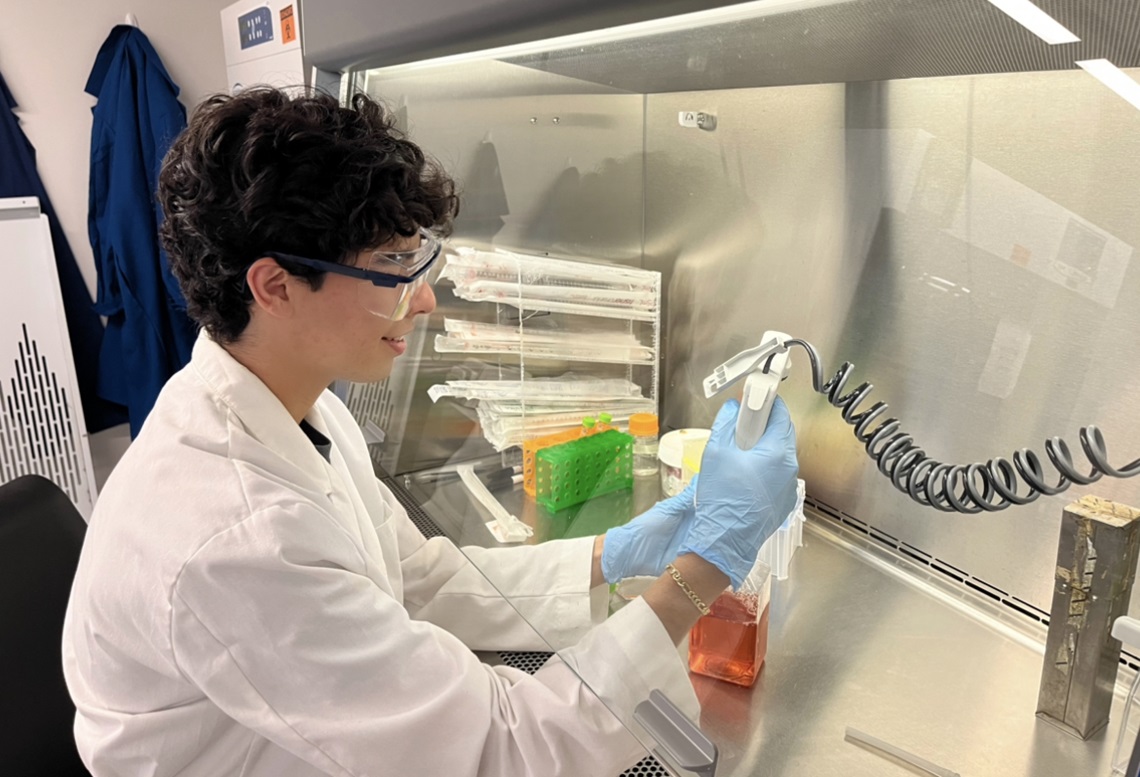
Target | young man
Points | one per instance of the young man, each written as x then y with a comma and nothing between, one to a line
251,601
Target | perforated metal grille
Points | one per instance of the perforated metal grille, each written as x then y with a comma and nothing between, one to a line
529,662
647,767
419,517
372,402
38,435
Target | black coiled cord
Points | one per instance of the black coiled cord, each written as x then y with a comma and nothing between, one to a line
957,488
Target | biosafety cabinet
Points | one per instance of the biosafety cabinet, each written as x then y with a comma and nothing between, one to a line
944,193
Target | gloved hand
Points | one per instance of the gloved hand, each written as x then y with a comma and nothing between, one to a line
651,540
743,496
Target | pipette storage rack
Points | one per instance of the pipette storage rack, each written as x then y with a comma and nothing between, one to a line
569,338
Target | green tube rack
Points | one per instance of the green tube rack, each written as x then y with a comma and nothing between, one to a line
573,472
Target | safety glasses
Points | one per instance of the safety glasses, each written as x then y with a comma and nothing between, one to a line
393,276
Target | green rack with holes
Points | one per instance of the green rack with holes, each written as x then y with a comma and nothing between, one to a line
573,472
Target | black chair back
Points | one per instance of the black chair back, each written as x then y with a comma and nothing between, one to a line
41,533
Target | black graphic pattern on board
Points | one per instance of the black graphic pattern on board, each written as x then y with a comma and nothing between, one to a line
37,430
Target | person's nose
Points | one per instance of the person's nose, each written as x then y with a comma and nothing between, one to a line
423,300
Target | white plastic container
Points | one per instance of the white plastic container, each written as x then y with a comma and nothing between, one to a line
798,530
671,454
777,550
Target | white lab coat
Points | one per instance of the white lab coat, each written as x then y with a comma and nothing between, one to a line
243,607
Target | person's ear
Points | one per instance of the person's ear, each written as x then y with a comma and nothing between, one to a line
272,287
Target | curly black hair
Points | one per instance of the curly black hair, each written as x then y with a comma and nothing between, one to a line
264,170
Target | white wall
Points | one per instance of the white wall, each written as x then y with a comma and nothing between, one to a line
47,48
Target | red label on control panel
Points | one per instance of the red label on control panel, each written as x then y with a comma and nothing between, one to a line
288,25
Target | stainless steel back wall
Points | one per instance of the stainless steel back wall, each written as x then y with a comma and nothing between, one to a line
966,242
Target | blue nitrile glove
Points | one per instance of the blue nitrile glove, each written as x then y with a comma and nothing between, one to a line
651,540
743,496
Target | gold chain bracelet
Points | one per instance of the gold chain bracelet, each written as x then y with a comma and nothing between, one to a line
696,600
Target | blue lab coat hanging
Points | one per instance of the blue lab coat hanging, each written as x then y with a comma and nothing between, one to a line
149,336
19,178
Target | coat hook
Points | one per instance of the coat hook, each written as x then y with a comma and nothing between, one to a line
131,20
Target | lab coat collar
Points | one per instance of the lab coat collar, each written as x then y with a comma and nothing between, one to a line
260,411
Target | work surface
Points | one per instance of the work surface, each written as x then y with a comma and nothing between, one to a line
858,640
861,637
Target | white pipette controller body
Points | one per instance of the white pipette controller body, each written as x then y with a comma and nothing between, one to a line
765,365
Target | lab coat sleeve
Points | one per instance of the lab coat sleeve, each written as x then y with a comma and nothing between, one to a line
546,585
280,623
531,597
